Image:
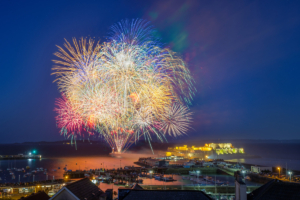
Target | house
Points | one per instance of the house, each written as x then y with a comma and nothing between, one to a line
41,195
156,162
258,169
83,189
276,190
137,193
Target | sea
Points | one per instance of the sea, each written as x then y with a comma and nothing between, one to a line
95,155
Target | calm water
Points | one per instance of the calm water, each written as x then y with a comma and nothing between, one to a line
272,154
91,156
73,163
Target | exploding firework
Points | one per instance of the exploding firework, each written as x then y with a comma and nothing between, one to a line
125,88
68,120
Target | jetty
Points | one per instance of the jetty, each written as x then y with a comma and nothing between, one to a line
19,157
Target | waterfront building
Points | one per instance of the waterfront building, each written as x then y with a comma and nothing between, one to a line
83,189
205,152
259,168
138,193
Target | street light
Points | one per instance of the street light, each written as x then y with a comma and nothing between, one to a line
198,172
151,176
290,173
243,171
279,171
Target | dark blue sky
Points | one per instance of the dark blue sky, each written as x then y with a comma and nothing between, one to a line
244,56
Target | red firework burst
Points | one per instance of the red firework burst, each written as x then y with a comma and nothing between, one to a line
67,119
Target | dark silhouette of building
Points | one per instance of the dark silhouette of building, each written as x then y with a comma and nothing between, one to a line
276,190
138,193
83,189
41,195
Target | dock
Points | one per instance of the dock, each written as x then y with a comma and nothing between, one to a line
19,157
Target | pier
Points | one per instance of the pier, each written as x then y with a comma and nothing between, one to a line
19,157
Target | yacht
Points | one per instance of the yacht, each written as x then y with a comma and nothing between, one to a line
168,179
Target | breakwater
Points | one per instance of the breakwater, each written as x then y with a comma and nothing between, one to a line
19,157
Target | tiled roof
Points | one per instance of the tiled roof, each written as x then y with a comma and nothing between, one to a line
276,190
84,189
37,196
166,194
136,187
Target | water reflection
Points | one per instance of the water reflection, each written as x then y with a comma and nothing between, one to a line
55,166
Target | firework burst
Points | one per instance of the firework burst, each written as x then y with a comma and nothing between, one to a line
125,88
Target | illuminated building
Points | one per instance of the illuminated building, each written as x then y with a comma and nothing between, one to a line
203,152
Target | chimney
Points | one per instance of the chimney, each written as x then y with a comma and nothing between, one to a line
240,189
109,194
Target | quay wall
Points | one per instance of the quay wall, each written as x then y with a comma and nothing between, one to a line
185,171
208,189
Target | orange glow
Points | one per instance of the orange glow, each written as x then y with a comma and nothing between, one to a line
134,97
91,121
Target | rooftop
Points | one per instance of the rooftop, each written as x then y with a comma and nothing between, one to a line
276,190
166,194
84,189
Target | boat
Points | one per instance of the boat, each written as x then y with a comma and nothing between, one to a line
119,183
168,179
51,193
122,183
158,177
139,181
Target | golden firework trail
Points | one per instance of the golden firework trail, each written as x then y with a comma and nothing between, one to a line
125,88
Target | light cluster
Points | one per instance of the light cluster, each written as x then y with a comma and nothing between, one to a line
124,88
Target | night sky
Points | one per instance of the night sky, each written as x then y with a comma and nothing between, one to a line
244,56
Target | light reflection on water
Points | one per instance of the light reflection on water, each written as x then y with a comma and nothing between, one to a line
76,163
73,163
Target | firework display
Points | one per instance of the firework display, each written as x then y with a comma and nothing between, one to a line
123,89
